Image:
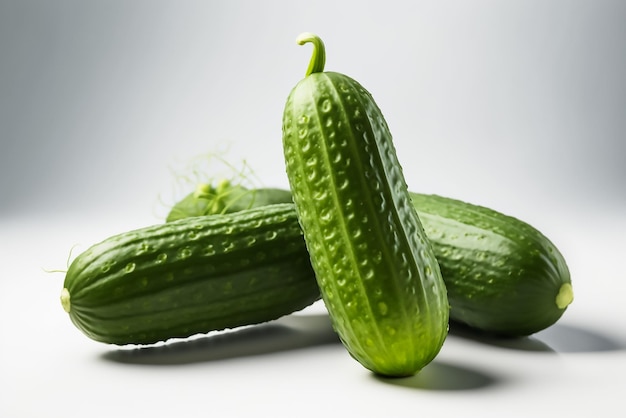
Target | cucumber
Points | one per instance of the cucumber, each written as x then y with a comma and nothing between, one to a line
191,276
503,276
377,272
225,198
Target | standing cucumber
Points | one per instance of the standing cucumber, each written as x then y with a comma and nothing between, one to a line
191,276
377,273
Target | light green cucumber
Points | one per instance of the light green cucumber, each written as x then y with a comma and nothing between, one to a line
376,269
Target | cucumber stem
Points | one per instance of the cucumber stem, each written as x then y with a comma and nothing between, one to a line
565,296
65,300
318,58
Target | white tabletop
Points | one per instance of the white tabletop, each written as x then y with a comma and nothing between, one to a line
49,368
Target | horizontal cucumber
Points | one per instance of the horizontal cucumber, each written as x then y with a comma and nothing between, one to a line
376,269
191,276
503,276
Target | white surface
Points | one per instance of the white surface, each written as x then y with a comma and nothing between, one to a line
516,105
295,366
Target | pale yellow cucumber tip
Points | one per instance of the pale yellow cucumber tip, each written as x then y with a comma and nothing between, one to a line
565,296
65,300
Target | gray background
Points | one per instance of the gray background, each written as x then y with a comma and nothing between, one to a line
519,105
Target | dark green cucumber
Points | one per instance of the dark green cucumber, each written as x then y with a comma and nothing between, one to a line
503,275
225,198
191,276
376,270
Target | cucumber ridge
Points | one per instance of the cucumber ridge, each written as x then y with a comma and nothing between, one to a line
344,176
241,268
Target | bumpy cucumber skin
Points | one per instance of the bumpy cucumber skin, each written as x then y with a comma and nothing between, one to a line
503,276
191,276
234,199
377,273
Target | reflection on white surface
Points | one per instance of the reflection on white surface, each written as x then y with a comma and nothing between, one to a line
573,339
443,376
302,331
287,333
559,338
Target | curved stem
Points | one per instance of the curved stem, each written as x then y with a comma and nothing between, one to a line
318,59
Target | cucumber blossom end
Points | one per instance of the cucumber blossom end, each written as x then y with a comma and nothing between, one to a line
65,300
565,296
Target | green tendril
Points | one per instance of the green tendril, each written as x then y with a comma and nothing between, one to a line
318,58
